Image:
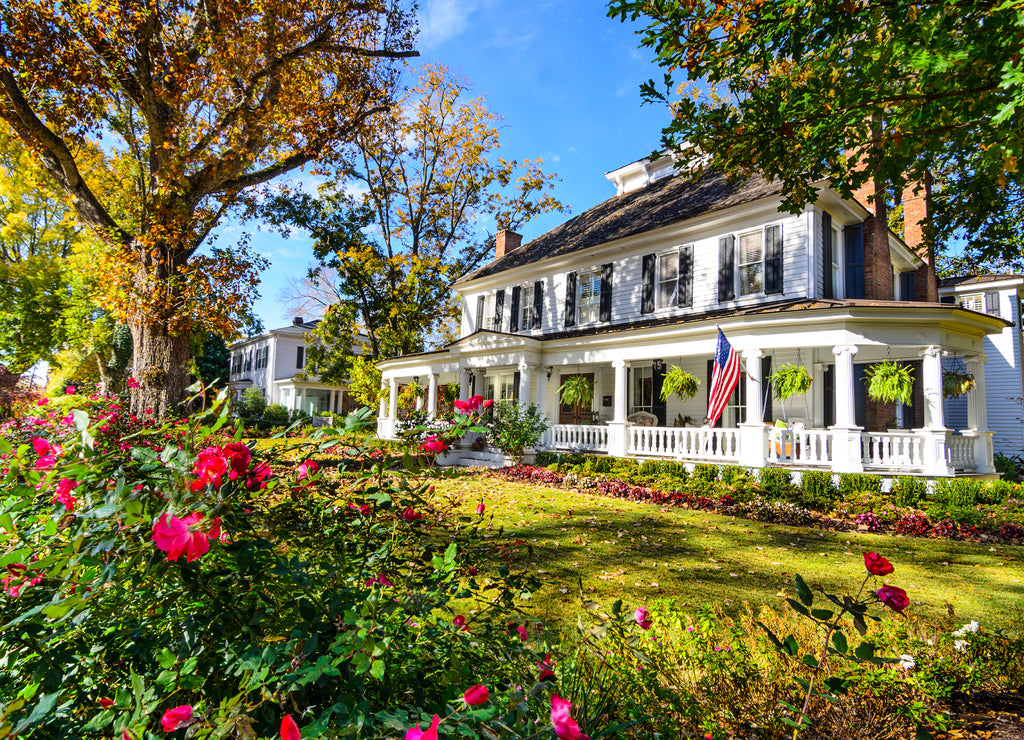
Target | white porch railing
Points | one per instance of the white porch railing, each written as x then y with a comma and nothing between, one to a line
718,445
589,437
799,447
960,452
903,450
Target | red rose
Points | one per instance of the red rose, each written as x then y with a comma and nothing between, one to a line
476,695
893,597
877,565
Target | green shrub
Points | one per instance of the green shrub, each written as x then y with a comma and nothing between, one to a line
997,492
850,483
275,415
961,492
546,458
515,427
704,472
667,469
908,491
729,473
1009,468
776,484
817,490
252,405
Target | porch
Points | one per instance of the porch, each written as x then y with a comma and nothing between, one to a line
833,426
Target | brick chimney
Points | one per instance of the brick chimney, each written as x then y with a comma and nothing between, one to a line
915,210
297,321
877,261
506,241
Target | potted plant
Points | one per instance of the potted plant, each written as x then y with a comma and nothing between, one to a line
956,383
679,383
890,381
577,392
790,380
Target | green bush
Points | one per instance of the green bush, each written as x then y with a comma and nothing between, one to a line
514,427
908,490
705,472
817,490
546,458
851,483
275,415
999,492
729,473
252,405
776,484
1009,468
667,469
958,492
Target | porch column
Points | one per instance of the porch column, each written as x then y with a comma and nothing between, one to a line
977,416
817,414
846,447
464,376
431,396
752,430
542,392
618,427
933,443
392,406
382,412
525,376
334,402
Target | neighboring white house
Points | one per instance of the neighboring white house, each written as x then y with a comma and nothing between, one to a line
644,280
997,295
275,363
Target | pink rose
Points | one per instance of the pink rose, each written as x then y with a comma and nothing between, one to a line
105,703
42,401
460,623
893,597
488,403
642,618
176,536
546,674
480,508
238,456
461,406
522,633
133,383
434,445
565,726
379,579
411,515
289,730
176,718
258,477
63,495
41,446
211,465
876,565
415,733
307,469
476,695
70,390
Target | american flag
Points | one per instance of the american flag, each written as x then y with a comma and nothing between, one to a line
724,377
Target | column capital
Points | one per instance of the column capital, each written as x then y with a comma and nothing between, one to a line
524,366
618,364
932,351
979,359
751,354
841,349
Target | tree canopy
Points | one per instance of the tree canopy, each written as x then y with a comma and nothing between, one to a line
903,91
195,104
429,192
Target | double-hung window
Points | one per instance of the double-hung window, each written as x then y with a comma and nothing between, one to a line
642,396
982,302
500,387
528,318
668,279
750,260
588,296
488,316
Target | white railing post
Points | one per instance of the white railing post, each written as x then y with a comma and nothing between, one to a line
846,442
618,427
752,434
933,436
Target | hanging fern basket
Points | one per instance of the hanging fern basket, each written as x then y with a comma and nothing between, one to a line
679,383
576,391
890,382
955,384
790,380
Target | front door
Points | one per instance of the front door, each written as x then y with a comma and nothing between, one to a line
567,414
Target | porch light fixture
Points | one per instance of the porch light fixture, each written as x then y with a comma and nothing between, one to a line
549,369
416,379
658,365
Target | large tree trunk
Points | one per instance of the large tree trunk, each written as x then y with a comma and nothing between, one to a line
159,361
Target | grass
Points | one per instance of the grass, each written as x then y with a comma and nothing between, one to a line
642,552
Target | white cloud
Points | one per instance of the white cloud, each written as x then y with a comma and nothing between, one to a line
441,20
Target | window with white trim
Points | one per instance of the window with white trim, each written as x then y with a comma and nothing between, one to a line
527,313
641,397
837,262
489,313
588,296
750,260
500,387
668,279
982,302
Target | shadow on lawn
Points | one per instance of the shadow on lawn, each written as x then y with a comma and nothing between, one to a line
713,556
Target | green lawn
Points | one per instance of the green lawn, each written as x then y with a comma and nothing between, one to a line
642,552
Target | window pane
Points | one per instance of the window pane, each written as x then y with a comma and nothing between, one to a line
669,266
751,247
750,278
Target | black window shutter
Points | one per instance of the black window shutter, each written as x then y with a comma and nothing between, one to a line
499,307
606,292
826,255
479,312
658,404
860,395
773,259
992,303
538,303
828,400
300,358
570,300
647,292
853,238
726,268
684,294
766,395
515,386
513,310
948,299
907,286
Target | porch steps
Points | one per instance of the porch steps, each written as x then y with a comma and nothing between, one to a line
472,458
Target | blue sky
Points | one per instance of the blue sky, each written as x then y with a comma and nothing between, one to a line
564,76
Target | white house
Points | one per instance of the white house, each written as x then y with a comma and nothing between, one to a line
644,280
996,295
275,363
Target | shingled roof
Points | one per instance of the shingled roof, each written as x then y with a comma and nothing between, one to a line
951,282
661,203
